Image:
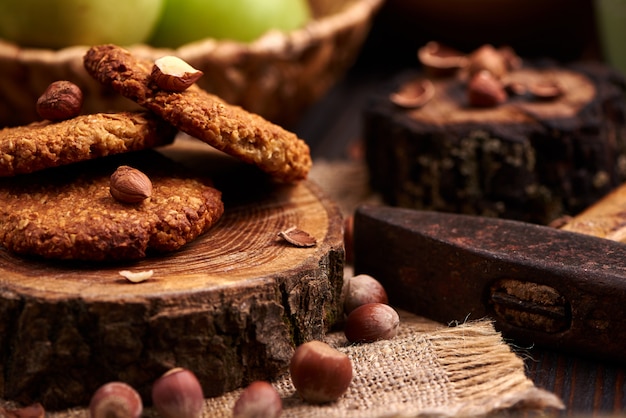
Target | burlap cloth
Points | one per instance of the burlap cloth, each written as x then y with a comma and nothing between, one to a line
429,369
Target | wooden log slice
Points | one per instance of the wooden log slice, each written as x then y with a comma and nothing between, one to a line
229,306
527,159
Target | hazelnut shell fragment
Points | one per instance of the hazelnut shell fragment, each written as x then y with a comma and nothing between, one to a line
487,58
129,185
174,74
441,60
372,322
413,94
61,100
319,372
298,237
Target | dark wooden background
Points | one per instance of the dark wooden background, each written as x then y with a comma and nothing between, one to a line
333,129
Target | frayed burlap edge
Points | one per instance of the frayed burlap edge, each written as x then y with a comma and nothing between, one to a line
427,370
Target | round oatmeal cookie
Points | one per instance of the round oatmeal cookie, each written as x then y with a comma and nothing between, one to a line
68,212
45,144
205,116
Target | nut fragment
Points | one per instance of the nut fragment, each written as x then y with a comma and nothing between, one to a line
441,60
413,94
60,101
319,372
136,277
545,90
129,185
259,400
115,399
487,58
297,237
178,394
484,90
372,322
174,74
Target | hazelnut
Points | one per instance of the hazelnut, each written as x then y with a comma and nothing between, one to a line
362,289
178,394
115,399
129,185
484,90
259,400
319,372
60,101
174,74
372,322
487,58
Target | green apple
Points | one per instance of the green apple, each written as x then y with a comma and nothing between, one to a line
186,21
61,23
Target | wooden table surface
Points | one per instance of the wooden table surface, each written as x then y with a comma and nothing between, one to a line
333,129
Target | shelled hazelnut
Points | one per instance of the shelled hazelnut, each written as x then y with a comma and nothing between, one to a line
174,74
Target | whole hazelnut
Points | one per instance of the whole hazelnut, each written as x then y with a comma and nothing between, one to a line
362,289
115,399
372,322
60,101
319,372
178,394
484,90
130,185
259,400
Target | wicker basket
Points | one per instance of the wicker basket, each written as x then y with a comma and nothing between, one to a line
277,76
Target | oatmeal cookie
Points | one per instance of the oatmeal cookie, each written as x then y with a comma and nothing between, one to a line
200,114
45,144
68,212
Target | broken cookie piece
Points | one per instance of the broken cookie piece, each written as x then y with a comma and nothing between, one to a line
40,145
200,114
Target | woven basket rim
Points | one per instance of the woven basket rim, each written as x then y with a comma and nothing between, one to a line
273,42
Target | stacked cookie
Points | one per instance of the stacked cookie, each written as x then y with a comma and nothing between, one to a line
56,196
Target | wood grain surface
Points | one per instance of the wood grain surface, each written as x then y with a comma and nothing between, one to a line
230,305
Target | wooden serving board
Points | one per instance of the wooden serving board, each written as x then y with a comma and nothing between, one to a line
229,306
